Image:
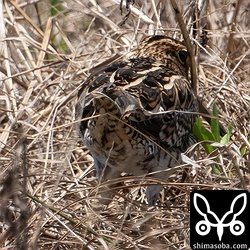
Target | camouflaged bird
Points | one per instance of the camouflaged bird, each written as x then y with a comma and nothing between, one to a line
136,115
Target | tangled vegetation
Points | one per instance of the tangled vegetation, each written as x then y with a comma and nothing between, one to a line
48,188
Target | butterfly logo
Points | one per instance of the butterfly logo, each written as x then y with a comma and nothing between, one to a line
203,227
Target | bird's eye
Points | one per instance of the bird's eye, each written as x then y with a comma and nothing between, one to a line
183,55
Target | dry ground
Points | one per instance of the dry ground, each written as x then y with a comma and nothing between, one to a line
48,187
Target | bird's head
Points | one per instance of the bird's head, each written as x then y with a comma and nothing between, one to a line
166,50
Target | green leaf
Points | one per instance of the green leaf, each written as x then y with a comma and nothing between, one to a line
56,7
202,134
226,138
243,150
216,169
215,125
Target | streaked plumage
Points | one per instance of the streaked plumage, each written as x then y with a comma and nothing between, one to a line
140,112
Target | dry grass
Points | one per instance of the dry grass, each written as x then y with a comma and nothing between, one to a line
47,180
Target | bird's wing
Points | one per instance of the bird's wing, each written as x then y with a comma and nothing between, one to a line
150,97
